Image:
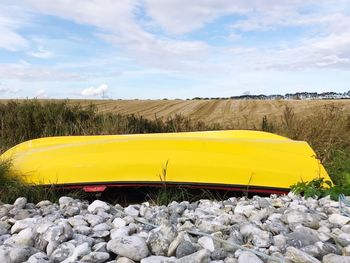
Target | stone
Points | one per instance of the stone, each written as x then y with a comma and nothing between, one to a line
327,248
97,204
248,257
218,254
77,221
71,211
343,239
15,254
262,239
84,230
301,238
207,243
175,243
94,220
43,203
338,219
132,211
96,257
201,256
159,259
23,238
39,257
100,247
132,247
124,260
246,210
23,224
280,241
65,201
332,258
62,252
119,222
4,228
160,239
78,252
185,248
20,202
59,233
295,255
293,217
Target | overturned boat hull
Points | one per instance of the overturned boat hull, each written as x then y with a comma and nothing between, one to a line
231,160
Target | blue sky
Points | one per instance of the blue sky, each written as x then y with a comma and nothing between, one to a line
153,49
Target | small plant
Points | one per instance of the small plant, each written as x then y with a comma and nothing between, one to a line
318,188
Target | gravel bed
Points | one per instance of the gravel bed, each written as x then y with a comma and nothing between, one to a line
288,227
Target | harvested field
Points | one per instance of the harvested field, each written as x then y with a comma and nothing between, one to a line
234,113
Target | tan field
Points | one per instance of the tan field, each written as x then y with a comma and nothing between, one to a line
227,112
234,112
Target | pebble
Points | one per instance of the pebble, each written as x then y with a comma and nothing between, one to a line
297,229
132,247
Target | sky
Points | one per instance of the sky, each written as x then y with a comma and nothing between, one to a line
154,49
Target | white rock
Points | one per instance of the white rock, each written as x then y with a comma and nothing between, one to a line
23,238
119,232
248,257
65,201
246,210
39,257
159,259
20,202
332,258
201,256
77,221
80,251
132,247
98,204
124,260
23,224
173,245
119,222
207,243
131,211
338,219
96,257
296,255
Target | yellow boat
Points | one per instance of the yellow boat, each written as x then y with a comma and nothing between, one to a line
231,159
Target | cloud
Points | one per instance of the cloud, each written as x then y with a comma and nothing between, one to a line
41,94
27,72
94,91
41,53
11,40
9,90
116,22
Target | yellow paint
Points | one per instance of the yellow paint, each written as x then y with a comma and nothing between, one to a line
215,157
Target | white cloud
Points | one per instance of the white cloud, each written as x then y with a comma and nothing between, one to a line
10,40
41,94
116,22
28,72
9,90
41,52
94,91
